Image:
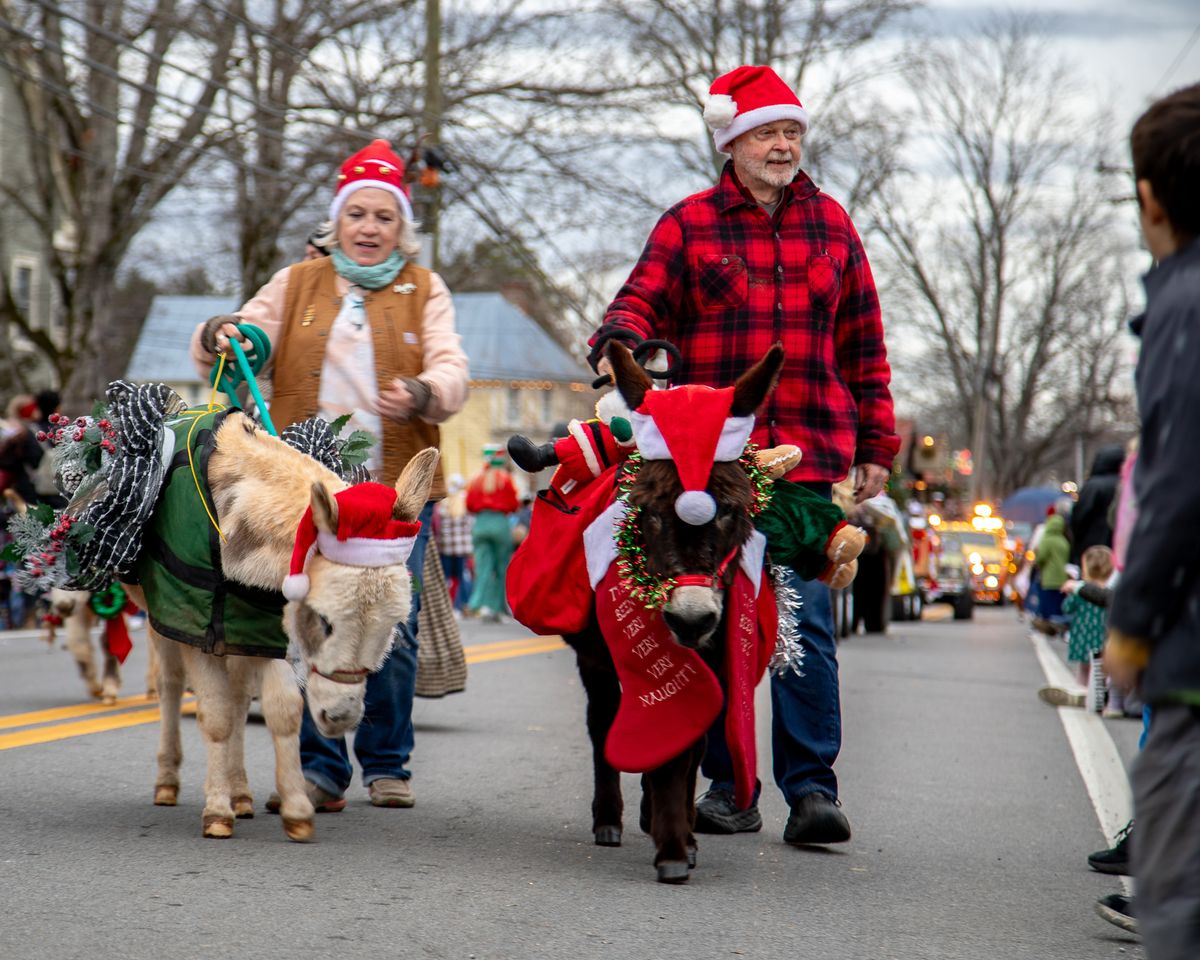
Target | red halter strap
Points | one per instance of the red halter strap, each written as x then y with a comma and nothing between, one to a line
715,581
342,676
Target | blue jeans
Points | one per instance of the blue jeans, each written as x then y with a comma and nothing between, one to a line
806,712
383,741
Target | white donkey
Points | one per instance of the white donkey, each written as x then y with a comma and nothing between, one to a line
342,626
78,620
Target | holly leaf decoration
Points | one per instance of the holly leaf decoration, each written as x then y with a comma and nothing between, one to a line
81,533
43,513
91,458
12,554
353,450
339,424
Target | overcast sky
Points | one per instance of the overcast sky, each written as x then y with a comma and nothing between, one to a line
1130,51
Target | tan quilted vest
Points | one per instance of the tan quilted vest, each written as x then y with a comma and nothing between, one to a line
312,305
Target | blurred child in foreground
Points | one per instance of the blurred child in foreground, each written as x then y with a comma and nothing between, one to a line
1154,622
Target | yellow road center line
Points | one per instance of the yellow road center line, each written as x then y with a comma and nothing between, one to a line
543,647
75,710
97,722
79,728
510,644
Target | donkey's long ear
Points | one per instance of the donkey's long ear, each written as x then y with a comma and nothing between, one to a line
632,381
324,508
412,488
753,386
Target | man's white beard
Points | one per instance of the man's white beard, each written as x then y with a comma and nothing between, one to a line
779,177
774,175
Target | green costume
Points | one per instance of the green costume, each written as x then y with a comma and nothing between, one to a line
179,567
1089,624
1053,552
798,525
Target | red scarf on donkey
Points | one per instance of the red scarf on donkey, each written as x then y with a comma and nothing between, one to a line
669,696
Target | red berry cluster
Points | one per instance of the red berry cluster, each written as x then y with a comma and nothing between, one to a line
43,561
66,430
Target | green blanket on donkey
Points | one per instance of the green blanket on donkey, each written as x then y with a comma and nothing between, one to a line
179,567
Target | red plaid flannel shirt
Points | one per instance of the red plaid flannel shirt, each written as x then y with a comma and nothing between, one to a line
723,280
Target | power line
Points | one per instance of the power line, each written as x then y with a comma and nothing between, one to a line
1178,59
142,174
157,92
282,114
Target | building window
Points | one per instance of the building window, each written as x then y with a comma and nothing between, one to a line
23,288
547,407
512,407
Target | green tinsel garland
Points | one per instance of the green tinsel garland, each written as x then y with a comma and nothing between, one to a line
649,588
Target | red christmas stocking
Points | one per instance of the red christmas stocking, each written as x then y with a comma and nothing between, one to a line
116,637
669,696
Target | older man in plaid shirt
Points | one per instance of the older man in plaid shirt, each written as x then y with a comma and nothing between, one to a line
764,256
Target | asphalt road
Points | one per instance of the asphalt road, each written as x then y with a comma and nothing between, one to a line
971,824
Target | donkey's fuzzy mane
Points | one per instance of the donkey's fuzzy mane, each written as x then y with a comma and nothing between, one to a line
261,488
655,491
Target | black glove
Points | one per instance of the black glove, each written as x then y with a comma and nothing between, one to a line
208,336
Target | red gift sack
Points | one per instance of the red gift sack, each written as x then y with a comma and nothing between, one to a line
547,583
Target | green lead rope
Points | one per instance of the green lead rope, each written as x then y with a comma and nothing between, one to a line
244,370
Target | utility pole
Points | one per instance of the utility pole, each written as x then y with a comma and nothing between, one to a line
432,119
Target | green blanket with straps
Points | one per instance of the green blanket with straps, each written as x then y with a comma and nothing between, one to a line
179,567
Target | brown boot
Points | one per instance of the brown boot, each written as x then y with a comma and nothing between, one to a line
391,792
322,801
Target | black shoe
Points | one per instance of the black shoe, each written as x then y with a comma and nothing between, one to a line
1117,909
816,818
717,813
1116,858
529,456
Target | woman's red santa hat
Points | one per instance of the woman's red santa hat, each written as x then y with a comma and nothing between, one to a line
367,536
691,425
376,166
746,98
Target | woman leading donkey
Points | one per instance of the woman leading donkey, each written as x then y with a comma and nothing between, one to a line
364,332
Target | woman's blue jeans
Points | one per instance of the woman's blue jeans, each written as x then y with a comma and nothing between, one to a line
383,741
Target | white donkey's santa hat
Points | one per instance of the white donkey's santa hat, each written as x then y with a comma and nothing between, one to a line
366,536
691,425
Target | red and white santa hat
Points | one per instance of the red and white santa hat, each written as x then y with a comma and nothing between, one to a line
367,536
376,166
691,425
746,98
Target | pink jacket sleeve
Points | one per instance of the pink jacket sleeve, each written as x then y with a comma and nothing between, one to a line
444,364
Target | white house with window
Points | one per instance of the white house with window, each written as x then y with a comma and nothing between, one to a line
24,278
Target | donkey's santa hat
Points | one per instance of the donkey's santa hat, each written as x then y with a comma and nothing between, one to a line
367,536
691,425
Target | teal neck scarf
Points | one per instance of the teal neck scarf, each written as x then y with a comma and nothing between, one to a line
375,277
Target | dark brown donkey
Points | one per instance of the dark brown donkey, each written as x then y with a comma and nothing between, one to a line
694,614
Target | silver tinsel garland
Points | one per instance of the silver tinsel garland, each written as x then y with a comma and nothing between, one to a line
789,651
